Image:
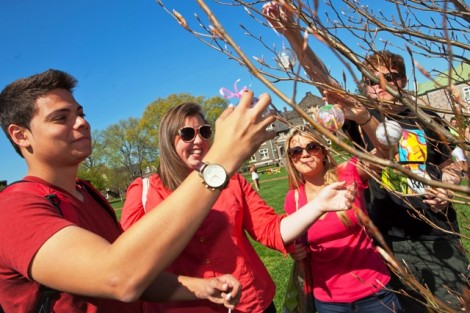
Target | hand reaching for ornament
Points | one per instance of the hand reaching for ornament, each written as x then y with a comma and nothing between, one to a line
353,109
282,18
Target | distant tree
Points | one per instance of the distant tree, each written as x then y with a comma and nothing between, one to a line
3,184
96,175
117,181
97,157
94,167
213,107
154,112
127,147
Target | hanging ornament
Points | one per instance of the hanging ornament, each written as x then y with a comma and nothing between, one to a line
331,117
237,94
286,59
388,133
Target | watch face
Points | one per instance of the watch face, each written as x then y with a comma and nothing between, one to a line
214,175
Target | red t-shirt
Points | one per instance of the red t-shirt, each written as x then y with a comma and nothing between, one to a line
27,221
220,245
345,265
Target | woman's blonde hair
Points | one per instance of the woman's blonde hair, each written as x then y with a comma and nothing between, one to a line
295,179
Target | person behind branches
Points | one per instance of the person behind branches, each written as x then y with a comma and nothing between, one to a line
419,223
453,130
458,154
69,254
221,243
255,176
348,273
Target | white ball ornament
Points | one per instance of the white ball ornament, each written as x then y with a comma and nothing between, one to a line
391,136
286,59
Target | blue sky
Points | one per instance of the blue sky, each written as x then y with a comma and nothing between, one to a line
125,54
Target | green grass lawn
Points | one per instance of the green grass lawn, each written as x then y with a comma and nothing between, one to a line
463,212
273,191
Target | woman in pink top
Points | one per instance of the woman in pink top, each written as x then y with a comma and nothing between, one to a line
349,275
221,244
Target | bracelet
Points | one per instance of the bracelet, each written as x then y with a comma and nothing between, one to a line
370,116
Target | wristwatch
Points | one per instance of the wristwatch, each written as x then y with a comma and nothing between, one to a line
213,176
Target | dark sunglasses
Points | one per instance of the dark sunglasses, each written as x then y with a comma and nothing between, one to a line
296,152
391,77
189,133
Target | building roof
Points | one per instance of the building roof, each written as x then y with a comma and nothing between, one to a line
293,117
460,74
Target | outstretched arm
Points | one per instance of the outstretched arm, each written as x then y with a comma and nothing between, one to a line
282,20
78,261
334,197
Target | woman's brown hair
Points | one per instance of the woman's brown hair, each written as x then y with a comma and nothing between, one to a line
171,169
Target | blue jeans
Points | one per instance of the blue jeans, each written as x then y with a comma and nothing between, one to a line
384,301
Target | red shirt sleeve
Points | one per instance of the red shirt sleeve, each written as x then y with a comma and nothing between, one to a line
289,203
25,218
259,219
133,210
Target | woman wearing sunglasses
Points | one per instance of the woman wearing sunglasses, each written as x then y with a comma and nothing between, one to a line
221,244
348,273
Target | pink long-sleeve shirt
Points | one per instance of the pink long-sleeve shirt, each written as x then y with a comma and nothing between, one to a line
344,263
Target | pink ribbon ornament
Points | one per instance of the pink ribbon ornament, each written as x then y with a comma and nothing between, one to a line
227,94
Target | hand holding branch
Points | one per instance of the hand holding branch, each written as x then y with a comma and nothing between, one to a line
437,199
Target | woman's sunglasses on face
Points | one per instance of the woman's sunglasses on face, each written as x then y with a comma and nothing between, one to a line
311,148
391,77
188,134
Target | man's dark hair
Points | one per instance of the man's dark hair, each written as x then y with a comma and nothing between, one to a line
18,99
386,59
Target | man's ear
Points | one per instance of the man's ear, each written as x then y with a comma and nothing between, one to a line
19,135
